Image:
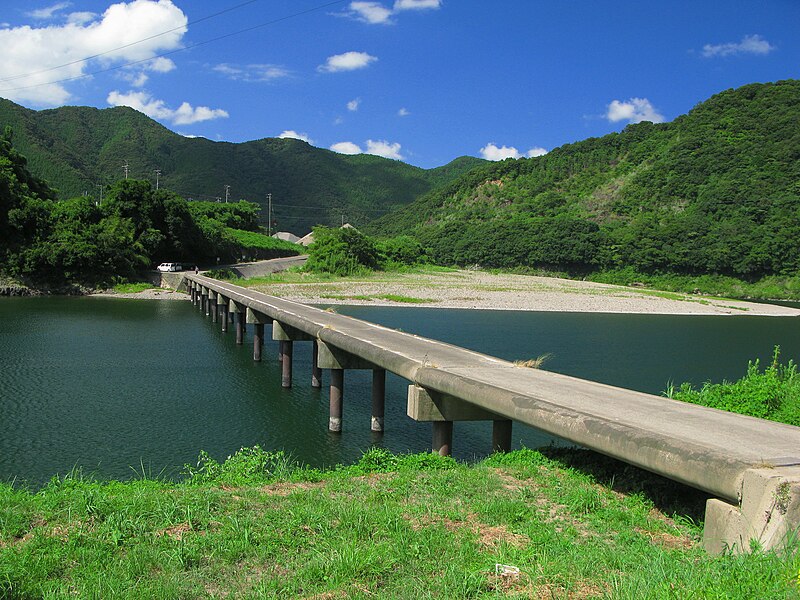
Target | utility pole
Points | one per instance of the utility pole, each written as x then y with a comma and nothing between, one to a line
269,214
125,168
100,188
227,192
342,219
158,172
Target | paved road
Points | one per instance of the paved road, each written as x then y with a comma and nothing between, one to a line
265,267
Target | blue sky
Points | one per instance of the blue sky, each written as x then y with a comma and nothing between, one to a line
423,81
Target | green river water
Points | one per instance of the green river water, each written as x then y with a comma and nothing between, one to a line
116,386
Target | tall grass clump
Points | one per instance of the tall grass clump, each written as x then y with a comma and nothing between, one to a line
773,393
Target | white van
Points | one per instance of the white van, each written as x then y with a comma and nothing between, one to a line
168,267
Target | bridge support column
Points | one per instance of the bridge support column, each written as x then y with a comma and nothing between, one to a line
212,301
335,359
258,341
258,320
239,328
192,296
222,305
204,301
286,334
428,405
316,372
286,363
336,400
442,441
378,398
501,435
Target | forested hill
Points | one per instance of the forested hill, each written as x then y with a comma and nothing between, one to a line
78,149
714,191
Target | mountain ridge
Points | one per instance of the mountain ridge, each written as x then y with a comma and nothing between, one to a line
78,150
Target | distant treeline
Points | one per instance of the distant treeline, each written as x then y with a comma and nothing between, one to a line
53,243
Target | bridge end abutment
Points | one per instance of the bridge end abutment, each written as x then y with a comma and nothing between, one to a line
767,516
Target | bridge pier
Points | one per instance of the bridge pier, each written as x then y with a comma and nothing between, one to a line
378,398
335,359
286,335
203,300
212,308
426,405
442,438
336,400
258,320
316,372
222,306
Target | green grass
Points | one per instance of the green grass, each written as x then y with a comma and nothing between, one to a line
259,526
133,288
390,297
772,393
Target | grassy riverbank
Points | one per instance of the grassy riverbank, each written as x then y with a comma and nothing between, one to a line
566,524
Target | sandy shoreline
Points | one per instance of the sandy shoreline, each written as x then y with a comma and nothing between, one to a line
487,291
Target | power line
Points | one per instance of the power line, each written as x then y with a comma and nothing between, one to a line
147,39
191,47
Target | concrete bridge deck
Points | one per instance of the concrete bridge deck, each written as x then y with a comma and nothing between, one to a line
752,463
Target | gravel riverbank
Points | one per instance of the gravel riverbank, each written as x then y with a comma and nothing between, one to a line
489,291
480,290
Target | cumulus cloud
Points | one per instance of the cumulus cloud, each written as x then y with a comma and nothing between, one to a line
27,72
349,61
185,114
252,73
353,105
633,110
376,147
492,152
371,12
403,112
750,44
346,148
416,4
292,134
384,149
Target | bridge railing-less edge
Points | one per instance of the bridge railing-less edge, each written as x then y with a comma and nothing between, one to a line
752,466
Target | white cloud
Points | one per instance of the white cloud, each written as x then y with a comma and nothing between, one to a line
47,12
416,4
346,148
80,18
403,112
750,44
349,61
29,53
376,147
492,152
353,105
252,73
634,110
536,151
384,149
185,114
371,12
292,134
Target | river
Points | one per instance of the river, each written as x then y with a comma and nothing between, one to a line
117,387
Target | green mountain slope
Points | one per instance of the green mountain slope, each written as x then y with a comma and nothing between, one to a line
714,191
79,149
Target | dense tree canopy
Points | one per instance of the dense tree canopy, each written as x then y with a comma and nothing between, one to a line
58,242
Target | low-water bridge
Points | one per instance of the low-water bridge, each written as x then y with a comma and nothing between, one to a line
750,465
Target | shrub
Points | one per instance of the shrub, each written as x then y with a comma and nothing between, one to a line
343,252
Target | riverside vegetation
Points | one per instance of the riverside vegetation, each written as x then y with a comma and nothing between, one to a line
59,243
556,523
